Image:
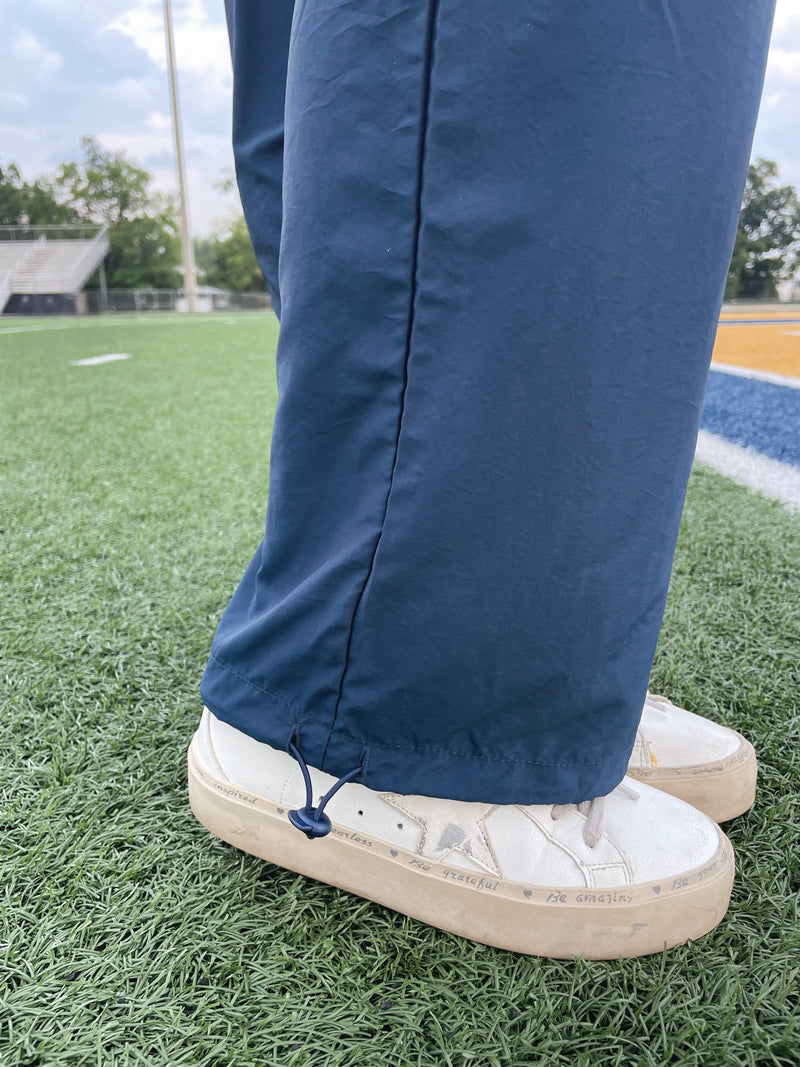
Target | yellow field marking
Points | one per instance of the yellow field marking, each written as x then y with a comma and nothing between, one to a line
762,313
769,348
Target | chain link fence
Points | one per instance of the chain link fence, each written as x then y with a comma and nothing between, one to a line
127,301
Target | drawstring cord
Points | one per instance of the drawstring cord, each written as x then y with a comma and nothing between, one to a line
313,822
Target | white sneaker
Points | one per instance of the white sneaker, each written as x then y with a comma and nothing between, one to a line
623,875
709,766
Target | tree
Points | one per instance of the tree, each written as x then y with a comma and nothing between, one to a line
30,203
144,252
226,259
103,188
108,187
768,236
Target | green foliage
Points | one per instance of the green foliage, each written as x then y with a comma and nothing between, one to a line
226,259
103,188
30,203
144,252
107,187
133,497
768,236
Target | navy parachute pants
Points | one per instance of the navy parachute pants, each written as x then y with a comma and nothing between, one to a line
499,258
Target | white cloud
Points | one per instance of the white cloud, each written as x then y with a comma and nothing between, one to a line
144,25
30,51
777,134
783,65
207,205
200,43
12,101
21,136
137,145
136,92
158,122
787,16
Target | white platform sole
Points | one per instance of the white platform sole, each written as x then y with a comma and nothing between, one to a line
541,921
721,790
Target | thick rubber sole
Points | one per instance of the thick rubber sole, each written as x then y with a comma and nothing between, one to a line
721,790
560,923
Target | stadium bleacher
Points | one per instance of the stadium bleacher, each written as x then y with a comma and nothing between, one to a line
48,262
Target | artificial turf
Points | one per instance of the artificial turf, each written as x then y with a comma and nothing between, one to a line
132,498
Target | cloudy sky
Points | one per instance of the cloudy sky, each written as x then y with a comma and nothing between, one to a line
73,67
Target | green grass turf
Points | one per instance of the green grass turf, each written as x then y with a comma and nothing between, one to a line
133,496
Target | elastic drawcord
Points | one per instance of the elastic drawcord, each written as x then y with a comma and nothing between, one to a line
313,821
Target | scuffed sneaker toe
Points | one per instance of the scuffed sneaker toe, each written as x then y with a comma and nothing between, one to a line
707,765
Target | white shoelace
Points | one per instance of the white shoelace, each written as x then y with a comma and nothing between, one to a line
593,811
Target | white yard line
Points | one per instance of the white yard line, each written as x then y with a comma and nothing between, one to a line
145,319
92,361
780,481
759,375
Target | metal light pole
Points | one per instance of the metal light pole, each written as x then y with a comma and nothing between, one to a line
189,278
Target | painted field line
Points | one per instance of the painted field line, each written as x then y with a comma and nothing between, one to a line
759,375
748,467
92,361
154,318
757,322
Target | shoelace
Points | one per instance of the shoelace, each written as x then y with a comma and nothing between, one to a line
313,822
593,810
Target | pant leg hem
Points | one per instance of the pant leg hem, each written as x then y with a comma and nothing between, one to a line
490,778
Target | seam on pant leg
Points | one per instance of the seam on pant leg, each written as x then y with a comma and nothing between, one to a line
430,30
296,712
371,747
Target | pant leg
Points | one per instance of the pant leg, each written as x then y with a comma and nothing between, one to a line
505,237
259,37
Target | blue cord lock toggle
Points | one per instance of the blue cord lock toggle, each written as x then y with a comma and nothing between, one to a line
311,821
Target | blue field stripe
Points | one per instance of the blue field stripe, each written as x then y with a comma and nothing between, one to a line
759,322
753,413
